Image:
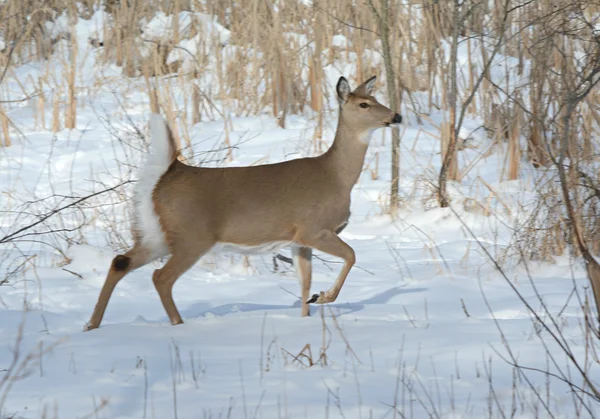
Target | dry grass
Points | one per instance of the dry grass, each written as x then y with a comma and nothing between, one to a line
275,57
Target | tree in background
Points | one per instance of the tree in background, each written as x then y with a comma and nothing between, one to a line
382,17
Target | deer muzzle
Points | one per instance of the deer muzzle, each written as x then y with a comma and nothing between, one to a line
397,119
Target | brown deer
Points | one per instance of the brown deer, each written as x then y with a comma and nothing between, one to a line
186,211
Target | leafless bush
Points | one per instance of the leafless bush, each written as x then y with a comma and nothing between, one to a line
22,364
580,372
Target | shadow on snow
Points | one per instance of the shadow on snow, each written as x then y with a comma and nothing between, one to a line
203,309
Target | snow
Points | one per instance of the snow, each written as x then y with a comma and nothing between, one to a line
340,41
161,27
422,323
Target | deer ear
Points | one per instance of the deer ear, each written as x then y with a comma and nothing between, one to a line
343,90
367,87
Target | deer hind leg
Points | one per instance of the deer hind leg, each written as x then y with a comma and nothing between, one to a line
328,242
303,263
181,260
119,267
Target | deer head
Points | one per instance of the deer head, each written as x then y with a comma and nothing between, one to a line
361,111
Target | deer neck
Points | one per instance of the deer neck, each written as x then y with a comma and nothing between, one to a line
347,153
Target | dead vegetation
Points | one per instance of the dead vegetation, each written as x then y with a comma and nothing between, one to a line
266,56
273,56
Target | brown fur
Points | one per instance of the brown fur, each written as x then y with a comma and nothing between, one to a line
305,201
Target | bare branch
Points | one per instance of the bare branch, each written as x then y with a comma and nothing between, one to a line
17,233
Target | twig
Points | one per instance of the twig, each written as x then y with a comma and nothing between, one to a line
464,307
73,273
8,237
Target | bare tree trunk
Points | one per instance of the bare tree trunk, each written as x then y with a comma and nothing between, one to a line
196,115
71,116
382,20
5,131
449,170
593,268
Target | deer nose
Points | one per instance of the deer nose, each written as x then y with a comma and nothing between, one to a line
397,119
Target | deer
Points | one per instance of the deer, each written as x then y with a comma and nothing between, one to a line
186,211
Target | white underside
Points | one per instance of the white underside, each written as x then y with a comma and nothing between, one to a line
269,247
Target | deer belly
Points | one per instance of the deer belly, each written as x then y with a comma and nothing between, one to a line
270,247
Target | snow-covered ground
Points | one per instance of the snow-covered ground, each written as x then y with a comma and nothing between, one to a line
420,328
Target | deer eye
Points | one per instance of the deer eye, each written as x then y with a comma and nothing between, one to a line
364,105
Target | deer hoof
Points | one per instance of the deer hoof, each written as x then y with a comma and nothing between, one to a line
88,327
320,298
313,299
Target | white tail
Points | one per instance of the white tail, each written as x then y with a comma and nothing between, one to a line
185,211
147,228
161,140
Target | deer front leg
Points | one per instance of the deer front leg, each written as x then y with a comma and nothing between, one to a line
303,263
328,242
